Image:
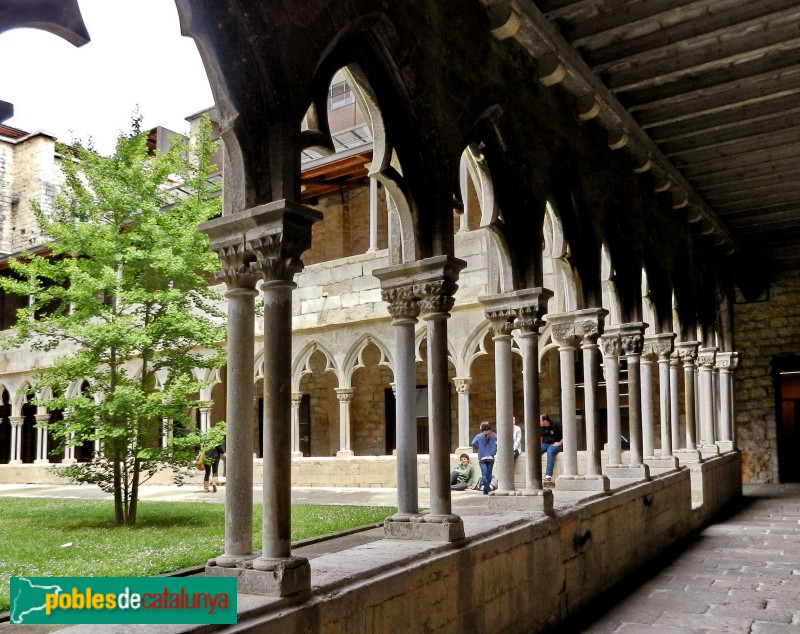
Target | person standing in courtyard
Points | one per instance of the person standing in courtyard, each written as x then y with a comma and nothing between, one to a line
212,458
485,443
552,443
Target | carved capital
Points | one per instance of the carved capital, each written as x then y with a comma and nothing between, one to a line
660,345
706,357
344,394
403,304
235,271
436,296
462,384
42,419
687,351
632,336
297,399
727,360
611,344
502,321
277,255
16,421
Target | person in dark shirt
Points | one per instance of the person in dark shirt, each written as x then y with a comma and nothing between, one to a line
552,443
212,458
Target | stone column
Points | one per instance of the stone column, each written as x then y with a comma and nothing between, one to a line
297,399
594,478
345,396
205,412
502,323
463,179
265,241
648,417
563,333
612,345
569,330
462,389
373,215
42,421
16,438
674,400
661,346
632,337
239,395
435,286
727,362
404,309
706,358
521,309
687,352
529,321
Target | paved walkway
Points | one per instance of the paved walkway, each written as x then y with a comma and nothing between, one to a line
741,574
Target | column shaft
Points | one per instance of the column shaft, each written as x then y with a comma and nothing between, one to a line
665,402
688,399
406,422
674,399
277,486
591,369
648,418
635,408
612,409
239,437
462,389
566,355
504,402
529,347
438,414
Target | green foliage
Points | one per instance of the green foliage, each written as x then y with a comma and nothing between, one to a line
75,537
123,303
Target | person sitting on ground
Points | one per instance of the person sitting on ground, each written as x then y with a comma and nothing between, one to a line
552,443
517,437
463,476
485,443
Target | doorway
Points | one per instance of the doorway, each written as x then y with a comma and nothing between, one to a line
786,373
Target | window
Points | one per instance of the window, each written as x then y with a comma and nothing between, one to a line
340,95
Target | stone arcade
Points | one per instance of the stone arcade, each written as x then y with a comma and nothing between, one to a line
523,204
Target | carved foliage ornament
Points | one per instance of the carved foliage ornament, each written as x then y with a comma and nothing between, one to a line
402,302
502,321
462,385
611,346
436,296
529,318
277,256
632,344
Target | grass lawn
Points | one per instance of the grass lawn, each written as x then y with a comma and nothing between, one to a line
77,538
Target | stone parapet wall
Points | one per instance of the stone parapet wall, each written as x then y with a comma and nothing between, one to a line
514,572
764,330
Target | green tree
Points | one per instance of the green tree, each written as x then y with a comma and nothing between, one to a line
123,302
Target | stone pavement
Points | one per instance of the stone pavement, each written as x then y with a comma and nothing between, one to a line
740,574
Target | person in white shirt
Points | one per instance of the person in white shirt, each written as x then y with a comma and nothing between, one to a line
517,431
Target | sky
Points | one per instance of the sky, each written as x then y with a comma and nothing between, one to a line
137,57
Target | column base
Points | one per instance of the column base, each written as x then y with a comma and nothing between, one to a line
233,561
278,577
725,445
428,528
42,461
466,450
687,456
709,451
297,454
66,461
631,472
583,483
527,500
662,463
344,453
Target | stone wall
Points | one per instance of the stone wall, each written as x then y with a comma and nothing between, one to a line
764,330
